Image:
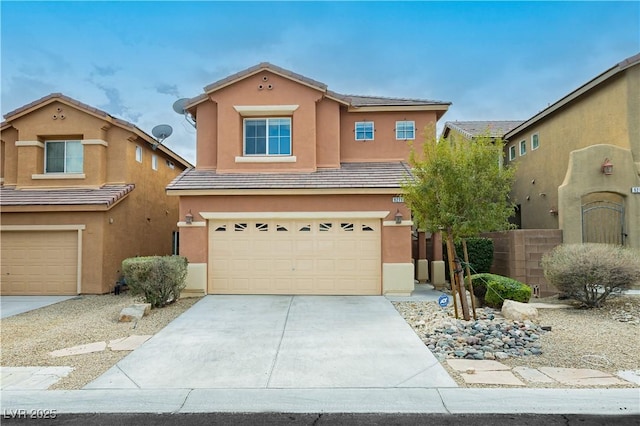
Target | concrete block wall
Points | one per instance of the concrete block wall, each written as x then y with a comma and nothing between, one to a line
517,255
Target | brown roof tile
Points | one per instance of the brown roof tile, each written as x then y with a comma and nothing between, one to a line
494,129
361,101
353,100
106,195
264,66
349,175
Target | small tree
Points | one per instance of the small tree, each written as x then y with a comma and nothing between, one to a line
459,188
589,273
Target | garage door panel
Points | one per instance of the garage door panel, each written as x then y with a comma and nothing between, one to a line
39,262
295,257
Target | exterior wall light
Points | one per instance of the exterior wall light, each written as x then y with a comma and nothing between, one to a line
398,217
607,167
188,218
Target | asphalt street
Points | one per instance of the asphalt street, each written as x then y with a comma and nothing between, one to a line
340,419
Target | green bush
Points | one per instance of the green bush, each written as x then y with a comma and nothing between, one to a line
479,282
590,272
480,255
157,279
499,288
492,290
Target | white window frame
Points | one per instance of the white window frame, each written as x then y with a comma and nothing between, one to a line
65,156
406,124
266,154
512,152
535,137
523,147
138,153
364,123
154,162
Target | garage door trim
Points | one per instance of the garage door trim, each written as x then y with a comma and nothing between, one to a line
295,215
78,228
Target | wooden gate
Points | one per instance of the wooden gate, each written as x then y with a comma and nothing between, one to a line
603,222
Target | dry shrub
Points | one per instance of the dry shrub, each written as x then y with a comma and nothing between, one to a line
589,273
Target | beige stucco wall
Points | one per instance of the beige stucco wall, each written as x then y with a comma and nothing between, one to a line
604,115
585,177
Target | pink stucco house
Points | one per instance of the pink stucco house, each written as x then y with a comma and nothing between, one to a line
297,189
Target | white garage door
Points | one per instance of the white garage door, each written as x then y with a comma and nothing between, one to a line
332,256
39,262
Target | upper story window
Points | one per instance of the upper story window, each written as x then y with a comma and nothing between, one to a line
154,162
267,136
364,130
405,130
63,157
535,141
523,147
512,152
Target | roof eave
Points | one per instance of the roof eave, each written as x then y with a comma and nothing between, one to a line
618,68
385,108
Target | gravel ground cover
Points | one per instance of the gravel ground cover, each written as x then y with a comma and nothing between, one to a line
605,339
27,339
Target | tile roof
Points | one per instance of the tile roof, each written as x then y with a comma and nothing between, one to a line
264,66
349,175
360,101
352,100
106,196
495,129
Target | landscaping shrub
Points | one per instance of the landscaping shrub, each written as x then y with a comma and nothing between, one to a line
506,288
590,272
492,290
479,282
480,255
157,279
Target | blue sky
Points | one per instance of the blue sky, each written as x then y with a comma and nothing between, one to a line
492,60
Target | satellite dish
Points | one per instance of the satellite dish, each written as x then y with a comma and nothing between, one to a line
179,106
161,132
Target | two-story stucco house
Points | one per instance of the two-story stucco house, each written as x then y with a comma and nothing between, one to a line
297,189
81,191
578,161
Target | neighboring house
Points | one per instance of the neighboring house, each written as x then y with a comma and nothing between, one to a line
81,191
562,181
475,129
297,189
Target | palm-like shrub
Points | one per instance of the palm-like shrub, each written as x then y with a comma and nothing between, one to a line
589,273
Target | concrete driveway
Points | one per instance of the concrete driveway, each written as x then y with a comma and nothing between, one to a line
14,305
281,342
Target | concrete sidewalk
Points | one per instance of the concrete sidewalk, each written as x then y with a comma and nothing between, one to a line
343,400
